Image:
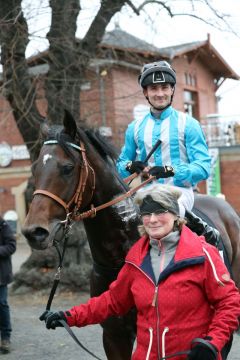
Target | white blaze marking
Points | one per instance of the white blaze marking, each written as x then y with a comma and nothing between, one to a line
46,157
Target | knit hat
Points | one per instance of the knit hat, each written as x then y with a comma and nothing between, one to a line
158,197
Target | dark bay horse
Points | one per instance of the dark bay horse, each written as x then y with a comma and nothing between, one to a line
227,221
75,170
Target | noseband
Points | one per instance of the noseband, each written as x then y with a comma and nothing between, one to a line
85,172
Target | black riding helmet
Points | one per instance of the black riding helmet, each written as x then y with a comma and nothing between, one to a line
156,73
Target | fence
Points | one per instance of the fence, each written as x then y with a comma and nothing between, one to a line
221,130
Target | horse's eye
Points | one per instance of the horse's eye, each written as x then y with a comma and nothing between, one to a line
67,169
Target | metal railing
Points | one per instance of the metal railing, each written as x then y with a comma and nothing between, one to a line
221,130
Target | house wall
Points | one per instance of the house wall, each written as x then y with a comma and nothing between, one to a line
13,178
204,86
109,100
127,94
230,175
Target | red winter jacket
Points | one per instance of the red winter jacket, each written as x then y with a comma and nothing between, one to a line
194,298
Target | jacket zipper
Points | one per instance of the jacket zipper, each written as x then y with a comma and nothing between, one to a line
154,303
154,300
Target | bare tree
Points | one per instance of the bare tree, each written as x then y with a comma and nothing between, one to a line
67,58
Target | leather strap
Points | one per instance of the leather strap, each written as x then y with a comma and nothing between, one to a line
71,333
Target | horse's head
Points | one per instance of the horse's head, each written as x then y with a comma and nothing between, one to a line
63,183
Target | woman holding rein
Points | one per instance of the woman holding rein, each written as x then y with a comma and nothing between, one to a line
185,299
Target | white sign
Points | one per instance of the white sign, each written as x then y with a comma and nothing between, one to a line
20,152
105,131
5,154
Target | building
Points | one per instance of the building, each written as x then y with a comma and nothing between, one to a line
111,98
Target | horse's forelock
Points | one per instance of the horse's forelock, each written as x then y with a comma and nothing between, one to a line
56,132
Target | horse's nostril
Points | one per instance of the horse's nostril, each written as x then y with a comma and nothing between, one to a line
41,233
38,234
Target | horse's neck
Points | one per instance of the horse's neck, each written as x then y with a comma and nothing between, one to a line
114,229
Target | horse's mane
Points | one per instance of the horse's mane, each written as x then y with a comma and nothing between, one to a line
105,149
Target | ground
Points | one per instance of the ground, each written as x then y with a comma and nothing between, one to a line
31,340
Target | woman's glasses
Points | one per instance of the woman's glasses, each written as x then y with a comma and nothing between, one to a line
148,215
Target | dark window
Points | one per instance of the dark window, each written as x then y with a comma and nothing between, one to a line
191,103
190,79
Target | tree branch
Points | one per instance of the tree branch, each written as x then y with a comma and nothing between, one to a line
18,87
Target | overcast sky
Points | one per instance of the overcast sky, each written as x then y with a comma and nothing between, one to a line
157,28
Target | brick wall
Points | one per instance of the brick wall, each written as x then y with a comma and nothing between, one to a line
204,86
230,175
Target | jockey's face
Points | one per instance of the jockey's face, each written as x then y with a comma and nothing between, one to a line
159,95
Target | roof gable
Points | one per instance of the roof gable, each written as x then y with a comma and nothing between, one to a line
204,50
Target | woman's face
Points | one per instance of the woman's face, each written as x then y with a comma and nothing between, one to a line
158,225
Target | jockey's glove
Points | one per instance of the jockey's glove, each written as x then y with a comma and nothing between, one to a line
202,351
52,319
135,166
161,172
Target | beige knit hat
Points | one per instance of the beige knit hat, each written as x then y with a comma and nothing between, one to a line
165,195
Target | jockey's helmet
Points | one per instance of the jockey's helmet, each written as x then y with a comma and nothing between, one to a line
157,72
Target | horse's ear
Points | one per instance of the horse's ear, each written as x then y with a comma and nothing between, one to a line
69,124
44,130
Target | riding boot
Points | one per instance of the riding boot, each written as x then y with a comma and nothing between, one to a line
200,227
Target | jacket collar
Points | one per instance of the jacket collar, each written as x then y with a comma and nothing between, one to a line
162,115
188,248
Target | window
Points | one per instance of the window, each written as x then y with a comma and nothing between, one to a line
190,79
191,103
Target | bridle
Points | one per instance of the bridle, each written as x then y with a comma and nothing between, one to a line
86,173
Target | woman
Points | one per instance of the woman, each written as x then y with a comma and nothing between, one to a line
182,291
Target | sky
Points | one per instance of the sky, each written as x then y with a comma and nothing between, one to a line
158,28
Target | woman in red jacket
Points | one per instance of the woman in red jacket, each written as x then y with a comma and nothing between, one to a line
182,291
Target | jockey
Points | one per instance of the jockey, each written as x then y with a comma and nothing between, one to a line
182,158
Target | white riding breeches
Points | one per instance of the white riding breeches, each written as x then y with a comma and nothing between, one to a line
186,200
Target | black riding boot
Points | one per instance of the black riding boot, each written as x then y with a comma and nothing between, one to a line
200,227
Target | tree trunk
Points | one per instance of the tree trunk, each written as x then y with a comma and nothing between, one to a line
19,88
65,74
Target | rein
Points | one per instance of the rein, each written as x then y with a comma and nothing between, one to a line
57,277
84,175
77,201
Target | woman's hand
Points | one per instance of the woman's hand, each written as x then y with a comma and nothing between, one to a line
52,319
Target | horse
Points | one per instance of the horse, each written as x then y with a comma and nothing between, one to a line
76,169
74,165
